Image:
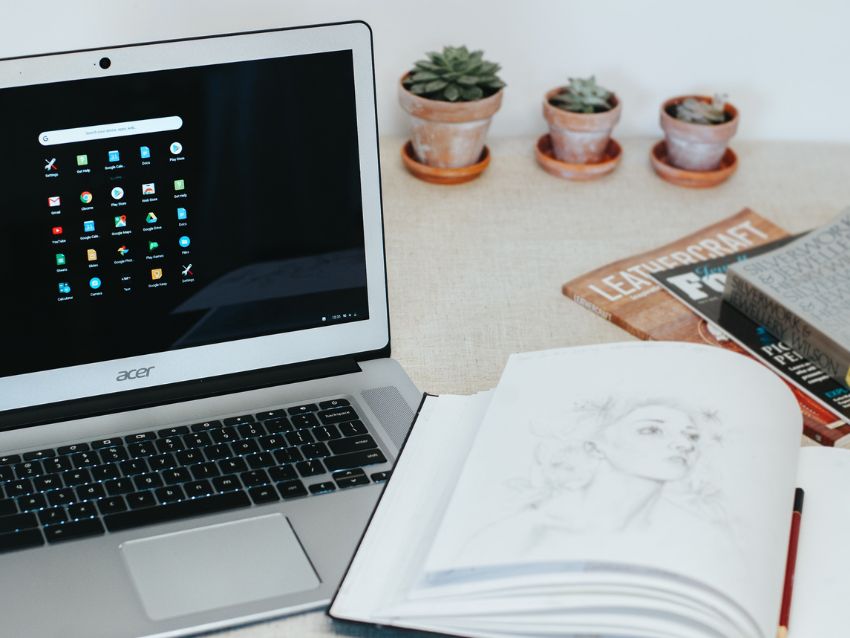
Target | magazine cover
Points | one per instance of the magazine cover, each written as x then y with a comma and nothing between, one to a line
625,293
700,287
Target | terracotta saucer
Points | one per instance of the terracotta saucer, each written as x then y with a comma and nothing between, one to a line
692,179
436,175
578,172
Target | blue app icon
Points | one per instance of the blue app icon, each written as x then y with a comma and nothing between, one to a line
114,156
64,288
94,283
181,213
145,152
184,241
88,226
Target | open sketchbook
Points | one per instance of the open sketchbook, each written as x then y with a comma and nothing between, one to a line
639,490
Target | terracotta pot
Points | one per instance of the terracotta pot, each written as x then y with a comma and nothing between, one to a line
696,147
448,134
579,138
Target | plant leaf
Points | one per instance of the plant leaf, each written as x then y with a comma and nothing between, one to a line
452,93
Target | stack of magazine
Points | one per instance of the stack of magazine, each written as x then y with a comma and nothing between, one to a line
639,490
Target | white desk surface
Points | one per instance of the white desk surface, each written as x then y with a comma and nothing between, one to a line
475,270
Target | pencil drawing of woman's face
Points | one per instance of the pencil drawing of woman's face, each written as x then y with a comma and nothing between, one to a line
653,441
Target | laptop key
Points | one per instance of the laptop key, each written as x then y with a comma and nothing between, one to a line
38,455
204,470
197,439
18,488
111,505
177,475
245,447
280,424
162,462
28,503
326,433
104,472
238,420
176,511
9,459
337,415
74,530
119,486
89,491
224,435
176,431
299,437
315,450
380,477
217,452
310,468
139,500
229,466
206,425
198,488
170,494
272,442
52,516
6,473
260,460
73,449
101,443
147,481
352,481
227,483
283,473
7,506
302,409
251,430
348,473
139,437
47,482
170,444
17,522
255,477
85,459
61,497
355,459
333,403
82,510
288,455
138,450
133,467
352,444
319,488
57,464
352,428
263,494
28,469
188,457
20,540
269,414
114,453
301,421
291,489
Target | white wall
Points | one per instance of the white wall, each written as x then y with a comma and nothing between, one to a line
783,63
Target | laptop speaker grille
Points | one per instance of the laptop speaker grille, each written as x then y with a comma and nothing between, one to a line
392,411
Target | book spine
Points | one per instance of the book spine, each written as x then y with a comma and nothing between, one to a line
608,316
788,327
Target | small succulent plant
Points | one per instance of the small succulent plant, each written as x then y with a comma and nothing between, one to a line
698,112
454,75
583,95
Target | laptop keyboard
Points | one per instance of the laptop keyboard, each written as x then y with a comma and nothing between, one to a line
119,483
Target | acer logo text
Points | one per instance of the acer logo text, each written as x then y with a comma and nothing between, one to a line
137,373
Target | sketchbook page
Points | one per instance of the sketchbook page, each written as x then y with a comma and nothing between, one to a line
819,603
668,457
395,544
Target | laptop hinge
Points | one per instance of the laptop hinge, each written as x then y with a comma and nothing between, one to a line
176,392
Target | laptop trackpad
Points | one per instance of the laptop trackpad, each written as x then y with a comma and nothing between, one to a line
218,566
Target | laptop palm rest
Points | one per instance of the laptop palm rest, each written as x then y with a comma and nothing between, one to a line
217,566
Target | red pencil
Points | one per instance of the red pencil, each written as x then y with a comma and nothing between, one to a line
785,610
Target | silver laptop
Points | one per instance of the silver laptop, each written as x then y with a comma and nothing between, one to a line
197,404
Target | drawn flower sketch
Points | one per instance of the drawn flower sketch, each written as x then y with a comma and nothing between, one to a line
610,466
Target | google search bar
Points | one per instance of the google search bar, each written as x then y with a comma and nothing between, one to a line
104,131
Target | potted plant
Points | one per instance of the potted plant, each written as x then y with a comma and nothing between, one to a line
697,130
581,117
451,97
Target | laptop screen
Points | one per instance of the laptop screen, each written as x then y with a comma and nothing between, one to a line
163,210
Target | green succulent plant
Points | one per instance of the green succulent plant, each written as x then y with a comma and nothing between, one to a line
699,112
454,75
583,95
